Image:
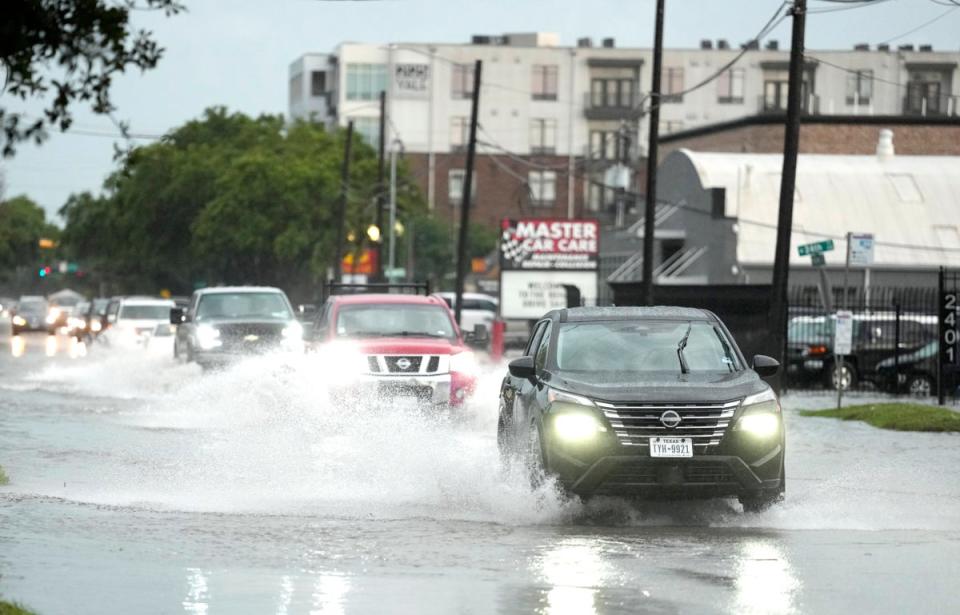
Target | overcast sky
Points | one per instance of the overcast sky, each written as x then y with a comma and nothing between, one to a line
236,53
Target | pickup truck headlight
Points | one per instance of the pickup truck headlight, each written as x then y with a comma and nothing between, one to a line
293,331
574,417
463,362
761,415
208,337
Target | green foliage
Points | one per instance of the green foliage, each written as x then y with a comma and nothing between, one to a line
226,199
12,608
4,480
435,248
69,50
896,416
22,224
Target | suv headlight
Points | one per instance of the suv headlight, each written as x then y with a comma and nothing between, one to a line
208,337
574,417
19,321
760,416
463,362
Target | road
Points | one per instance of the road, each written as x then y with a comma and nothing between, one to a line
142,486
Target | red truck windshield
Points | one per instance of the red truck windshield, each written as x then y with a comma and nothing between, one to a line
394,320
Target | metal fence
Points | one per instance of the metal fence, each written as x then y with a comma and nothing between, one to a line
894,346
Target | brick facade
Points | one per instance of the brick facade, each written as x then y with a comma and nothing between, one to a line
820,135
501,186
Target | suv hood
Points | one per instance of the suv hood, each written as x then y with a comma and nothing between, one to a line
661,386
405,345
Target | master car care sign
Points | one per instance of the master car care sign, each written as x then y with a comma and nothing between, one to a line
541,260
549,244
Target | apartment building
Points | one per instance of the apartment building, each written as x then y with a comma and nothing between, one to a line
556,121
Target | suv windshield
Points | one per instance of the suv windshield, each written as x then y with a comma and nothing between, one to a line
32,307
643,346
145,312
237,306
394,320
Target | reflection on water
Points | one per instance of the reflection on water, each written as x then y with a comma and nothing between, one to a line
574,569
197,599
51,345
286,595
76,348
329,595
17,345
765,581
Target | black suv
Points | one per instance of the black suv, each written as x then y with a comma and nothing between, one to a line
644,402
224,323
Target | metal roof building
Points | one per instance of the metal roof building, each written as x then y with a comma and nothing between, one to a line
717,218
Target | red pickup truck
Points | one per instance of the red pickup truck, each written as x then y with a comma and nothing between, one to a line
398,345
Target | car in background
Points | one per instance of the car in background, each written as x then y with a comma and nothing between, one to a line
77,321
644,402
7,304
132,320
160,342
29,315
478,309
222,324
398,346
810,346
915,373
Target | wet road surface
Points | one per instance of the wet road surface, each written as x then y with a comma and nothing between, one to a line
141,486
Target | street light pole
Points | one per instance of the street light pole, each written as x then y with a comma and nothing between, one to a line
342,206
393,207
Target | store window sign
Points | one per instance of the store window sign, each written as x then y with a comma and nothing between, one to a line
411,79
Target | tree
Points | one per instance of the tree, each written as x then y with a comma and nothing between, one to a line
22,224
225,199
69,50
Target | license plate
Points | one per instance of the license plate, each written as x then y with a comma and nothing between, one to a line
671,447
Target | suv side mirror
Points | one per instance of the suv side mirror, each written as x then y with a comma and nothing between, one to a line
177,316
523,368
765,366
478,338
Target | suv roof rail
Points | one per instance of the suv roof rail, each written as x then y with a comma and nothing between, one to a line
339,288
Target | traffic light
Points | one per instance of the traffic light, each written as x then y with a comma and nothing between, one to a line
44,271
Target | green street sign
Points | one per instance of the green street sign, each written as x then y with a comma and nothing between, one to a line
396,272
817,259
815,248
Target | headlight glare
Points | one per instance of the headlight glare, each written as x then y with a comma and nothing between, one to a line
293,330
576,426
208,337
19,321
463,363
763,425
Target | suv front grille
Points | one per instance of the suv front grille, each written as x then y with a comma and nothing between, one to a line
634,423
403,364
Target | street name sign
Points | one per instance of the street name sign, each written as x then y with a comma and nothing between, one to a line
815,248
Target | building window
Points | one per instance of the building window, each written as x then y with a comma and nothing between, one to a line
296,88
455,179
673,85
459,133
598,196
369,129
543,188
670,126
318,83
730,87
611,93
462,81
924,93
859,87
605,144
544,85
366,81
543,136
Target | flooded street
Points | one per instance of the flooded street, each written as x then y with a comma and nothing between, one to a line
138,485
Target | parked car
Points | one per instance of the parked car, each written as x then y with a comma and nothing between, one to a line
30,314
132,319
915,372
399,346
7,304
222,324
644,402
478,309
810,346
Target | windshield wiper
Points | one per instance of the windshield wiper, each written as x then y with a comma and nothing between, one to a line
684,368
411,334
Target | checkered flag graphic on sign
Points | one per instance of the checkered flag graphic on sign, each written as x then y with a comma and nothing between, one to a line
511,247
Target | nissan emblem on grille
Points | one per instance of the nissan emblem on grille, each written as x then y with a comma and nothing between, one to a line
670,419
403,363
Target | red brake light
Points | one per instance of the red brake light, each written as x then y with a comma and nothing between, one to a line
817,350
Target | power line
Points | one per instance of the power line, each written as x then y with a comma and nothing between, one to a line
923,25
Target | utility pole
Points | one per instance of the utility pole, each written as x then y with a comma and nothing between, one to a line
342,206
788,179
393,207
650,209
467,184
380,186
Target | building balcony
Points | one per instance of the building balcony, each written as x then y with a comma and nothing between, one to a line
603,108
808,104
